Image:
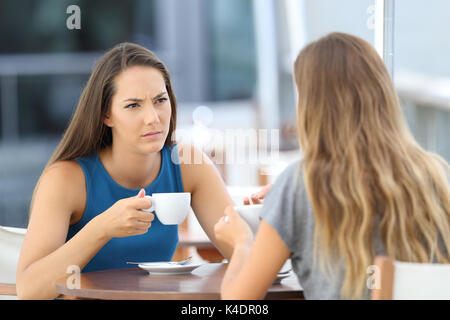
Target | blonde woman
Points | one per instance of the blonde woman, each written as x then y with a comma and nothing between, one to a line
363,187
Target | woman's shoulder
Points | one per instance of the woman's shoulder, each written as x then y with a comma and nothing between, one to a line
195,165
65,180
64,170
291,176
288,188
190,155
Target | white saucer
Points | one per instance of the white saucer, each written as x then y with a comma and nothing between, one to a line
281,276
162,268
286,271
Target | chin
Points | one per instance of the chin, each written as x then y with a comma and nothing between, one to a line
153,147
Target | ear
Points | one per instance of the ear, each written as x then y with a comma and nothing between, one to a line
107,121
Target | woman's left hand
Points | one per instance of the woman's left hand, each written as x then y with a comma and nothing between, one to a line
232,229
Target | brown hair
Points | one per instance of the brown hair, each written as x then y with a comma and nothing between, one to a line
362,165
86,132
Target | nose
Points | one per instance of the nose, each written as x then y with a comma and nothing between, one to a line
151,115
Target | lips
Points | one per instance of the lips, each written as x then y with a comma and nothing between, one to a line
151,134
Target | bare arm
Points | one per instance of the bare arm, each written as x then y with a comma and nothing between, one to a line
254,264
45,254
209,194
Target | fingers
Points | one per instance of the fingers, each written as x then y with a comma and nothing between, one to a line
141,203
141,193
223,220
230,215
144,216
258,197
229,211
261,194
231,228
226,217
266,189
221,224
141,224
253,199
138,231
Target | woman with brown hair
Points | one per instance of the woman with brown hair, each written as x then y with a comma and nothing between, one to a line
119,145
363,187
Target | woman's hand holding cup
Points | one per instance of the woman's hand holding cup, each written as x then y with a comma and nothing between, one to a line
126,218
232,229
170,208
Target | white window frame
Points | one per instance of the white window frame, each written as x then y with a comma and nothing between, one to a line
384,32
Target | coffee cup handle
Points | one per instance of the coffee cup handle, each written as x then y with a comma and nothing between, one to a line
152,207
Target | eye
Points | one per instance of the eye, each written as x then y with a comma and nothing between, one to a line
161,100
131,106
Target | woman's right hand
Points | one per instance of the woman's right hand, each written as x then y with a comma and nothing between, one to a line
232,229
258,197
125,218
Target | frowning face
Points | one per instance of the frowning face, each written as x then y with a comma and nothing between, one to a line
139,116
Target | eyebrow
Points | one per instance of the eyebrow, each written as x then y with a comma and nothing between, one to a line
155,97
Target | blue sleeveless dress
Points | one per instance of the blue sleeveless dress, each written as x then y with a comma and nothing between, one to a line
159,243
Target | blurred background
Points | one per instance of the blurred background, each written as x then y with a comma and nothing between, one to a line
231,65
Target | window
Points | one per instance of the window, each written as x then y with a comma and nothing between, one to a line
43,68
299,23
422,70
350,16
233,73
44,65
30,26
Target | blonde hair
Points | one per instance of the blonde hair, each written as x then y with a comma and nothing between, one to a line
361,164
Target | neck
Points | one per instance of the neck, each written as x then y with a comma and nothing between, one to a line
131,170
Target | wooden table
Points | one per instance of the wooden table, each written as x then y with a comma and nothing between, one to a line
197,239
134,283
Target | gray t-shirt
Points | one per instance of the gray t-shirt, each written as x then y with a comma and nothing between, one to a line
288,209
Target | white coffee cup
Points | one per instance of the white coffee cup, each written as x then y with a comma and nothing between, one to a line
170,208
250,214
